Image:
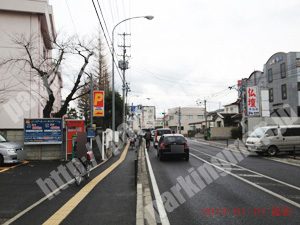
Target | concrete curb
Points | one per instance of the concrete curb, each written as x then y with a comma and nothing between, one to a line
144,206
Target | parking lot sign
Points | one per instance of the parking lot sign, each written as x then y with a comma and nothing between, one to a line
98,108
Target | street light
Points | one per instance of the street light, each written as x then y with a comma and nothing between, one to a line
113,75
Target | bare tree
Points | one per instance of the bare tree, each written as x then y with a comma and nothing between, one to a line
101,78
47,68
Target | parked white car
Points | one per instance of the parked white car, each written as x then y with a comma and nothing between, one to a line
274,139
8,151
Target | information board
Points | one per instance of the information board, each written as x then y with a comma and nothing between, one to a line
42,131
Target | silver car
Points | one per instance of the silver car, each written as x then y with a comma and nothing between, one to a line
8,151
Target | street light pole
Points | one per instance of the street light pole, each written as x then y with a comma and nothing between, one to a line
113,74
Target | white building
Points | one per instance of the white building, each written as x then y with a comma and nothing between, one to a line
142,117
22,94
188,115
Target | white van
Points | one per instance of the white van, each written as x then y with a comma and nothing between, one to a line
274,139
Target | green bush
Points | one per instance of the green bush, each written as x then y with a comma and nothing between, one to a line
236,132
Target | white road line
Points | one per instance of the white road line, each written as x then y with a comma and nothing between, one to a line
161,209
278,160
247,175
44,198
271,178
251,183
226,148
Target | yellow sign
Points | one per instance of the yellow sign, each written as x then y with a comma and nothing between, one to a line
98,108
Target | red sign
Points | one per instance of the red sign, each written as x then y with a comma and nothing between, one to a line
73,126
239,83
98,107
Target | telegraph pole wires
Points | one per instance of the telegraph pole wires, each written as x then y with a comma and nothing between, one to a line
123,65
205,112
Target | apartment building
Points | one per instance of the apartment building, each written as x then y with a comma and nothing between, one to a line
187,116
142,117
21,88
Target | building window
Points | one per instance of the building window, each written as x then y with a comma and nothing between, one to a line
171,117
282,70
200,117
192,127
189,117
283,91
218,123
271,97
231,109
270,75
298,62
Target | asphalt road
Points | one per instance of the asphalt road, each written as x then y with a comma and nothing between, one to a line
111,201
254,190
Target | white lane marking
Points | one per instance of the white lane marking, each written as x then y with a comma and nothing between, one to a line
215,145
271,178
278,160
251,183
44,198
248,175
160,207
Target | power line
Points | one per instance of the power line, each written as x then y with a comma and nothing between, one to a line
106,37
71,18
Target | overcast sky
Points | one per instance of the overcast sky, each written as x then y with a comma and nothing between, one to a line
192,49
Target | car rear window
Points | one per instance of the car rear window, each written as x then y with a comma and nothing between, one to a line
177,140
161,132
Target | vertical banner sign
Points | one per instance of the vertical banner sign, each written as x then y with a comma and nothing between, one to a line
98,107
253,101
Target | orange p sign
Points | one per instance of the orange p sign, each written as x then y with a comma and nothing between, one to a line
98,103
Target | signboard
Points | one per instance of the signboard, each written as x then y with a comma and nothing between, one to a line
42,131
98,106
253,101
139,108
73,126
91,132
132,108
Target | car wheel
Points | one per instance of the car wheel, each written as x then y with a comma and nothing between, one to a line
187,157
1,160
272,151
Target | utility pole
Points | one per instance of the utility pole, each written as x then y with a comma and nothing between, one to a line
179,120
91,108
123,66
127,90
164,113
205,114
243,100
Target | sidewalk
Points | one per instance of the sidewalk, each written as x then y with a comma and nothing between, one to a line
114,198
112,201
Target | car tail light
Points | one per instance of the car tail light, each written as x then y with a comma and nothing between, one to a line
162,145
186,145
156,136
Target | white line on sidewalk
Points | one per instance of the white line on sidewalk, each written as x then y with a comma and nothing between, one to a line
161,209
